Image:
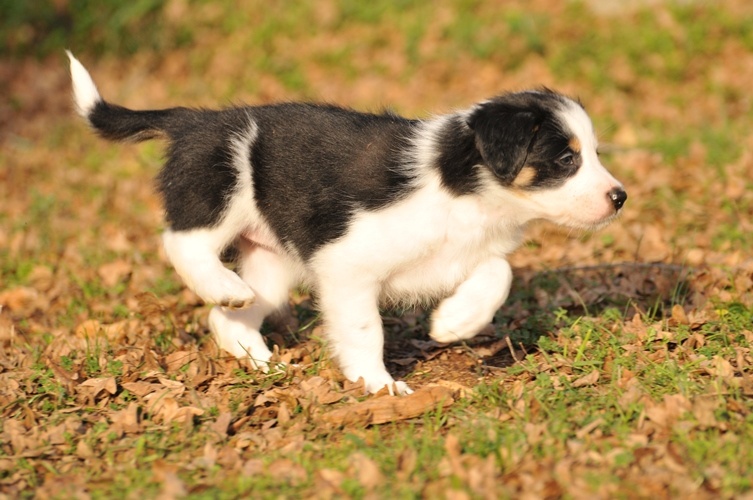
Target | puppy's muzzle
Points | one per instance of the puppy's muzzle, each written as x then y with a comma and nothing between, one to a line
617,196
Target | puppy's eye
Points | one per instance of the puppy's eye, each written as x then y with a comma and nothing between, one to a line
567,160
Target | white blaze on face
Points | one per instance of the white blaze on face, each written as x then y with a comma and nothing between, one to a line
583,200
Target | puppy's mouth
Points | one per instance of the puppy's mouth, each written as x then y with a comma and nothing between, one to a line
567,220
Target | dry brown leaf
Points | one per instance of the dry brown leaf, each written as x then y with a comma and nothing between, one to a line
15,433
720,367
83,450
460,390
329,481
678,315
319,390
175,361
668,411
172,486
703,410
283,414
586,430
114,272
21,300
406,463
96,386
7,328
589,379
287,470
171,411
156,400
140,388
222,424
365,470
126,421
391,408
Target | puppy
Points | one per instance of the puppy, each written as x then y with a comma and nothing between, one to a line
364,209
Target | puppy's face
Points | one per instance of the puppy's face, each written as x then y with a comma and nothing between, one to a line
541,147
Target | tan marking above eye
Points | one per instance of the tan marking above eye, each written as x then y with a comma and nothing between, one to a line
575,144
525,177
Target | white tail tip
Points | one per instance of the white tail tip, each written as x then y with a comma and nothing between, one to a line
85,93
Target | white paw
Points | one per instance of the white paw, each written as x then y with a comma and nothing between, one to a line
446,334
395,388
238,339
225,289
375,382
449,325
401,389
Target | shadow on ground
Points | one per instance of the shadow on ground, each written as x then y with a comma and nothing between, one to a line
540,303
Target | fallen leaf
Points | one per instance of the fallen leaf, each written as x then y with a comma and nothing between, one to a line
113,272
96,386
21,300
365,470
585,380
703,410
222,424
126,421
391,408
287,470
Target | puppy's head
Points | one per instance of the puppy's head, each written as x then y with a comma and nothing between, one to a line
541,147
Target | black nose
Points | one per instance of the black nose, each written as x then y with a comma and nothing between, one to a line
618,197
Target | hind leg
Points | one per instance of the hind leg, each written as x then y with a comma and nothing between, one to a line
237,331
195,256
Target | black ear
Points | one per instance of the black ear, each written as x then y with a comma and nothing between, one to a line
503,136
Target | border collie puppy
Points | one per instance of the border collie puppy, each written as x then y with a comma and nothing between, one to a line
365,209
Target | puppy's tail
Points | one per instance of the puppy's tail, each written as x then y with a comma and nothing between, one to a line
110,120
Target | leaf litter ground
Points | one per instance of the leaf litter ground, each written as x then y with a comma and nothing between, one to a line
620,365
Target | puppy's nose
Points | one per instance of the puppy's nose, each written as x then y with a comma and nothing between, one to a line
618,197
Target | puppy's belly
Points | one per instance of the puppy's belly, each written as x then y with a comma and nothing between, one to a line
260,237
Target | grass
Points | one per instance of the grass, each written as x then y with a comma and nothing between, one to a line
610,390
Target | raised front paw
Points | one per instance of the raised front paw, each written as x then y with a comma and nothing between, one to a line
454,321
452,326
227,290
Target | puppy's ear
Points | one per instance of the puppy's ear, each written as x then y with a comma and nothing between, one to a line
503,136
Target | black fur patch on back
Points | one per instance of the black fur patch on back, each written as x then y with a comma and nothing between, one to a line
314,166
198,178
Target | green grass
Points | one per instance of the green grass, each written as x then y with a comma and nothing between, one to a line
44,27
671,400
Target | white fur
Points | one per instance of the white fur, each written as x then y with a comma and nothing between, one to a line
85,93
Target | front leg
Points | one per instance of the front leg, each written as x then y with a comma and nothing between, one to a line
474,303
354,330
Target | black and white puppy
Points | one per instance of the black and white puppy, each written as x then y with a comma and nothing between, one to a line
365,209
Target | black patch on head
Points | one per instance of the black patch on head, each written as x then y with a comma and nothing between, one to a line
551,156
314,166
458,158
503,134
523,129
